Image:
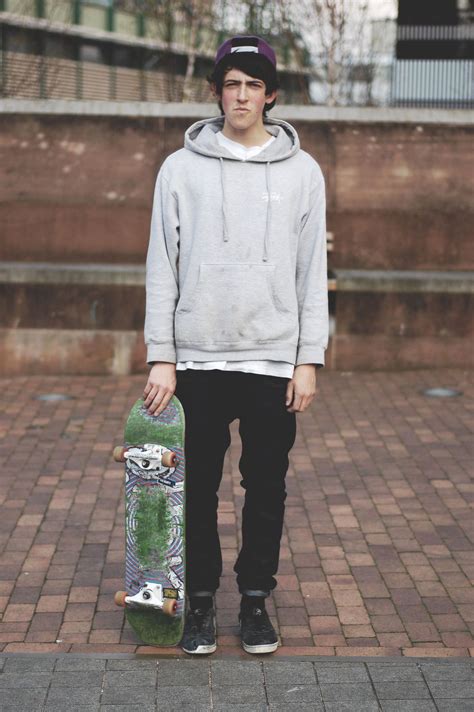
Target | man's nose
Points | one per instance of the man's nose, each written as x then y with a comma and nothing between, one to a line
242,95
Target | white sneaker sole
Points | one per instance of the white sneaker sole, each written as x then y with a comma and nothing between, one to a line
260,649
202,650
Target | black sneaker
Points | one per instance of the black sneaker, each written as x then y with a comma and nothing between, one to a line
199,637
257,633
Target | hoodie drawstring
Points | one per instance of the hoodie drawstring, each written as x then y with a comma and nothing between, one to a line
269,211
269,208
224,218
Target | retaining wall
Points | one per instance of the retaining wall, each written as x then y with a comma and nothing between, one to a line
76,190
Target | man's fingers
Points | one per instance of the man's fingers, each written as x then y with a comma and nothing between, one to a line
160,401
147,389
164,403
296,404
289,393
157,398
300,403
153,390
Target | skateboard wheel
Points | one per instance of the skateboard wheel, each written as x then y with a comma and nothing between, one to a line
170,607
169,459
119,454
119,598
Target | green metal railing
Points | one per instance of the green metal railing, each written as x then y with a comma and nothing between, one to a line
171,28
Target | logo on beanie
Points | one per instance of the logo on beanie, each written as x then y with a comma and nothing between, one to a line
244,48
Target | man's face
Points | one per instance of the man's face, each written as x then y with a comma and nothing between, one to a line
243,99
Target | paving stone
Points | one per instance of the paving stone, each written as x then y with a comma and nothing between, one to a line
401,690
407,706
293,693
132,664
30,663
461,689
22,699
183,672
68,696
178,695
60,707
238,694
357,691
394,673
341,672
234,672
144,707
129,678
82,678
226,707
299,707
129,696
352,706
20,680
447,671
81,662
454,705
282,673
189,707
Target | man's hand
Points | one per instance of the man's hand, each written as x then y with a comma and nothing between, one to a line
302,388
160,387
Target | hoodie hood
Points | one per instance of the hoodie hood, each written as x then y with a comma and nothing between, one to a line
201,138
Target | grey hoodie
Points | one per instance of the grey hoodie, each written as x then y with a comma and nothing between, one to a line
236,265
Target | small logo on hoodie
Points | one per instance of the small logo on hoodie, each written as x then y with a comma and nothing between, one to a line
274,197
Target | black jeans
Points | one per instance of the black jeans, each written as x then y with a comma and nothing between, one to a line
211,401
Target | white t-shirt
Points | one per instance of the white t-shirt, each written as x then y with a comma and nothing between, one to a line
267,368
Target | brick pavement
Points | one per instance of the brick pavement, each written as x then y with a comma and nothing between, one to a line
377,556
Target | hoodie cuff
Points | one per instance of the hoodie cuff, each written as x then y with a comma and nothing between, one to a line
310,354
161,352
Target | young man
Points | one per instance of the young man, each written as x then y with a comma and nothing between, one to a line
237,322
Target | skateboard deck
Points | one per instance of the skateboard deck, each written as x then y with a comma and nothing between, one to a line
154,523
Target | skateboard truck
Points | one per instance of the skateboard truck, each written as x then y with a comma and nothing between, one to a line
149,596
147,457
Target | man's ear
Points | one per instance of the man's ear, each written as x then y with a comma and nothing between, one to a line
214,90
270,97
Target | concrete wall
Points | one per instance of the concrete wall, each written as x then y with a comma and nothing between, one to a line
76,188
399,194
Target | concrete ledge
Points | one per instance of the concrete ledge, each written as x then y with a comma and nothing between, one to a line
134,275
289,112
71,352
379,352
65,273
107,108
404,281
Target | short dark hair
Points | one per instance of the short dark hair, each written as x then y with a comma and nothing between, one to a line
252,64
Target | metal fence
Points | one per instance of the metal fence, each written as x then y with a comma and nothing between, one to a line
30,76
434,66
433,83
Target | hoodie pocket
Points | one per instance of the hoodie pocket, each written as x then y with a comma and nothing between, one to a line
235,303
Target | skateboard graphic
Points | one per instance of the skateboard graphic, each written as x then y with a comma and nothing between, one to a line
154,523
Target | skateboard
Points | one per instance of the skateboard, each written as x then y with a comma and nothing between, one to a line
154,523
